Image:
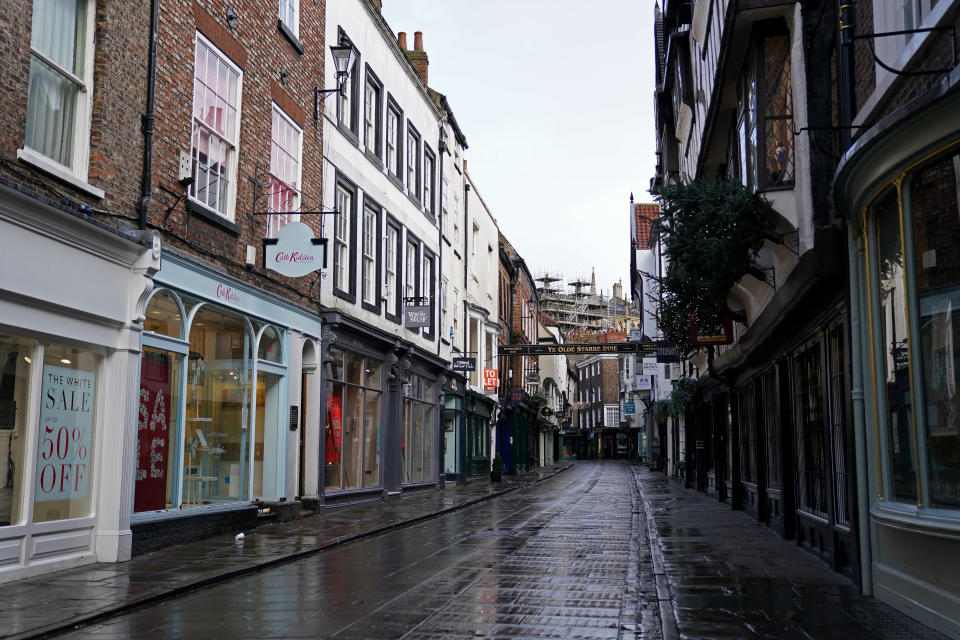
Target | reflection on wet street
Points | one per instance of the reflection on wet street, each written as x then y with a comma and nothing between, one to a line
559,559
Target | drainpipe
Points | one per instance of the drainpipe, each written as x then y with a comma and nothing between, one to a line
848,100
859,420
466,258
146,123
438,192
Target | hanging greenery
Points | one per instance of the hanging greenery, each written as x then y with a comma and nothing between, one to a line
661,411
710,234
683,390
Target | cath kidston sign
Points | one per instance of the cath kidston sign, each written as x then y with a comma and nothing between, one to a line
66,422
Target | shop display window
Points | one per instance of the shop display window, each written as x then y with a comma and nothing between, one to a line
418,433
65,437
17,357
155,477
353,422
216,446
892,327
935,214
269,347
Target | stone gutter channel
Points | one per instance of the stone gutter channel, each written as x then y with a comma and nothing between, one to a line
94,615
668,616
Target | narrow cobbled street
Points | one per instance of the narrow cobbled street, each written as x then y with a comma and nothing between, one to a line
568,557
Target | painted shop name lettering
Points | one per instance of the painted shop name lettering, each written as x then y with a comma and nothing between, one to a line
227,293
293,257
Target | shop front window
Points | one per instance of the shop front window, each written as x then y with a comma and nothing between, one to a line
418,442
935,190
894,353
65,434
353,426
155,481
216,438
163,315
16,366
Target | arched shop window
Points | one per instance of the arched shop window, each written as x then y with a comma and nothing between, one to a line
353,430
161,365
164,315
914,242
269,347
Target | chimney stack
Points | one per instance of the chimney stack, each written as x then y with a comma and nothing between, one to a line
418,57
402,39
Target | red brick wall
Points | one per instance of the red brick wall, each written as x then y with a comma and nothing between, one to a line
610,380
119,98
261,50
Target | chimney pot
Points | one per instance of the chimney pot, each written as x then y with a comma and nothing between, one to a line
402,39
418,41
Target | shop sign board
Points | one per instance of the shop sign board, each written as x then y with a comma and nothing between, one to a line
667,353
516,395
416,316
66,423
649,366
721,334
644,383
630,408
294,252
463,364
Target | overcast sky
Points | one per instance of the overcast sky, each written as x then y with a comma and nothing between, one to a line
555,98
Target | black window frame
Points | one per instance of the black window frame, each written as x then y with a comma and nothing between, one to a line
350,293
416,192
373,205
414,240
396,315
400,149
430,205
351,130
430,333
376,154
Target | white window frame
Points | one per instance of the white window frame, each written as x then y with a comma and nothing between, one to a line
392,239
394,121
77,171
274,222
227,210
341,239
413,162
411,261
368,253
611,411
289,14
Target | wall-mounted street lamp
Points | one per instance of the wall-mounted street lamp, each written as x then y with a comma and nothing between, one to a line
344,57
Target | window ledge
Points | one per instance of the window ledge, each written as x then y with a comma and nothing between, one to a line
936,522
58,171
416,201
212,216
286,31
396,180
374,159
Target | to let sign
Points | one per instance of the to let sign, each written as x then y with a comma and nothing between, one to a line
490,378
66,420
294,252
416,316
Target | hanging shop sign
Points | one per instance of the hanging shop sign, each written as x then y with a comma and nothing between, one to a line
516,395
417,316
66,422
722,334
629,408
649,366
533,377
463,364
667,353
295,252
644,383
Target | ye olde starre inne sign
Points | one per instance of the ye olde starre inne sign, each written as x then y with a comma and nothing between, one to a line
295,252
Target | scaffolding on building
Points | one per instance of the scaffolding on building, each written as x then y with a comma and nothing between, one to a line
579,308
